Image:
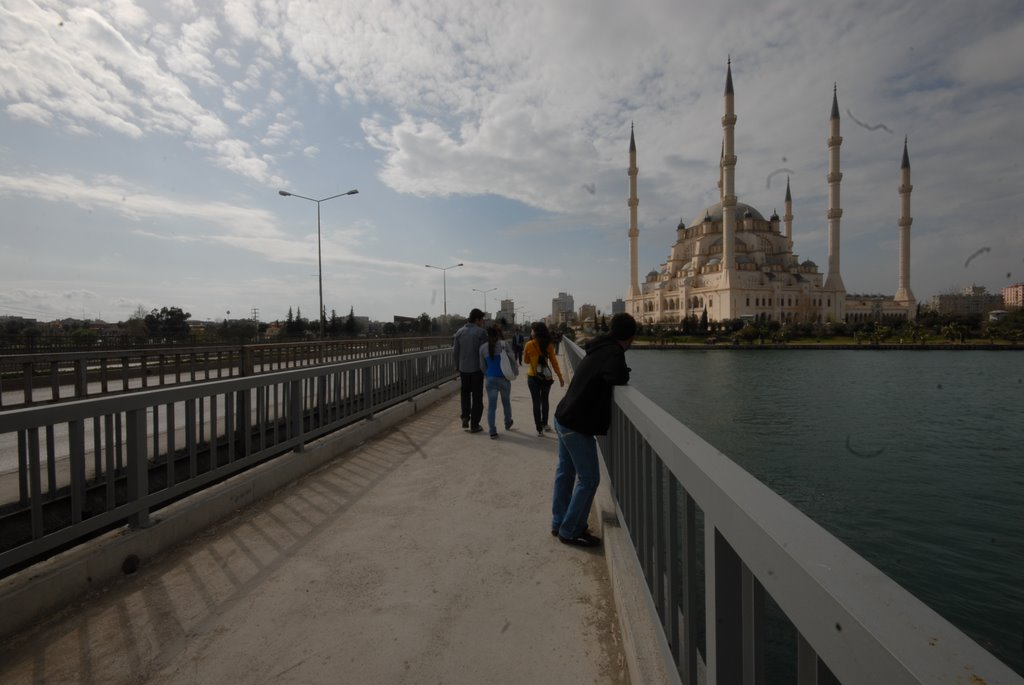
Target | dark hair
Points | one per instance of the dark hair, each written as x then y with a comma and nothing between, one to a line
540,330
493,336
475,315
623,326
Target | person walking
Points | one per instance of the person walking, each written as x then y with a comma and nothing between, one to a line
466,350
540,355
517,344
498,363
584,412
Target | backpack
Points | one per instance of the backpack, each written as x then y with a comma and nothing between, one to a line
544,371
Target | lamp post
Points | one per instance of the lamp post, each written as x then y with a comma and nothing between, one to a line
319,260
477,290
444,281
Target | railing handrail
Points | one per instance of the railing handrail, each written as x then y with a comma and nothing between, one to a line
38,416
860,624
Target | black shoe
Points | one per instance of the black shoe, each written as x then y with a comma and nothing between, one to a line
494,436
475,429
581,540
465,424
508,425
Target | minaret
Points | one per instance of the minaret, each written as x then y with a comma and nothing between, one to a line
721,170
728,180
634,231
834,281
903,294
788,217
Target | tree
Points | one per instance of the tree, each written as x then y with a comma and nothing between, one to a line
295,326
84,337
350,327
423,323
704,321
168,323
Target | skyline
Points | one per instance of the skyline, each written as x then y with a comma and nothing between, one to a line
143,147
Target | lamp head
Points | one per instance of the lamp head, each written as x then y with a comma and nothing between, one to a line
354,191
283,193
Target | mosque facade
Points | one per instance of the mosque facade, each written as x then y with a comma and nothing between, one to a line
732,263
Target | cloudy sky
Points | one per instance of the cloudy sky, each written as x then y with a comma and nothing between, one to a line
142,145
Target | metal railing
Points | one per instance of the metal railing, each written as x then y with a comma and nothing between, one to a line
29,379
84,466
853,623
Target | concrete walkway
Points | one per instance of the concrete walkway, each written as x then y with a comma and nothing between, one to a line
422,556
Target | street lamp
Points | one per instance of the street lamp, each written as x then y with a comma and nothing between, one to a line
477,290
319,260
444,281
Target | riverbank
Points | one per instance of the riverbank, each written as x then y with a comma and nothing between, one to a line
797,345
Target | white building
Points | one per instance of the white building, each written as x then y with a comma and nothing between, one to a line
733,263
563,309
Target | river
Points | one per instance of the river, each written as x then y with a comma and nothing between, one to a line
915,459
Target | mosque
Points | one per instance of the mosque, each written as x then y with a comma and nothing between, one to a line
732,263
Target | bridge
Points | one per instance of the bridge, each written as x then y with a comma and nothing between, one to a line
358,535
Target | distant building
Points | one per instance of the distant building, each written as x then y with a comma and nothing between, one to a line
563,309
588,316
507,312
973,300
1013,296
618,306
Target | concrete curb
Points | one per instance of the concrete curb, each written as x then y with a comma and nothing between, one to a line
44,588
648,656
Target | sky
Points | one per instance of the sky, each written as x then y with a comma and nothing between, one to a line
143,145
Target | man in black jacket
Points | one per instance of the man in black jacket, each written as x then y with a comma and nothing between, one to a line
584,412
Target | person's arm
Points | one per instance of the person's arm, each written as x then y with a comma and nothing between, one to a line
455,352
616,372
553,359
483,358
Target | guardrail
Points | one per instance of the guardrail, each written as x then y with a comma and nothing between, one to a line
52,377
112,460
710,536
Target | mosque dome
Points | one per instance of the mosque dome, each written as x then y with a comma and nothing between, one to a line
715,212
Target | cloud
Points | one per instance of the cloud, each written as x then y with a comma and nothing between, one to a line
31,112
85,70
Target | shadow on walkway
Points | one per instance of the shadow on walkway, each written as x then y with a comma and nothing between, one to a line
422,556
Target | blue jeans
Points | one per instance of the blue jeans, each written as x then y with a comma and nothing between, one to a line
577,466
495,386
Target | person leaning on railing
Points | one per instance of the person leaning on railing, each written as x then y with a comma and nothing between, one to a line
584,412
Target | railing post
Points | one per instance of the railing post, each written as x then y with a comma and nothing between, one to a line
723,609
295,412
810,670
753,628
138,467
246,361
76,445
368,389
81,378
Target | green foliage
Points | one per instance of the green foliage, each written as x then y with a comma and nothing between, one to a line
350,327
168,323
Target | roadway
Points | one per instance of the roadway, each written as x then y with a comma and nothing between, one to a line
423,555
